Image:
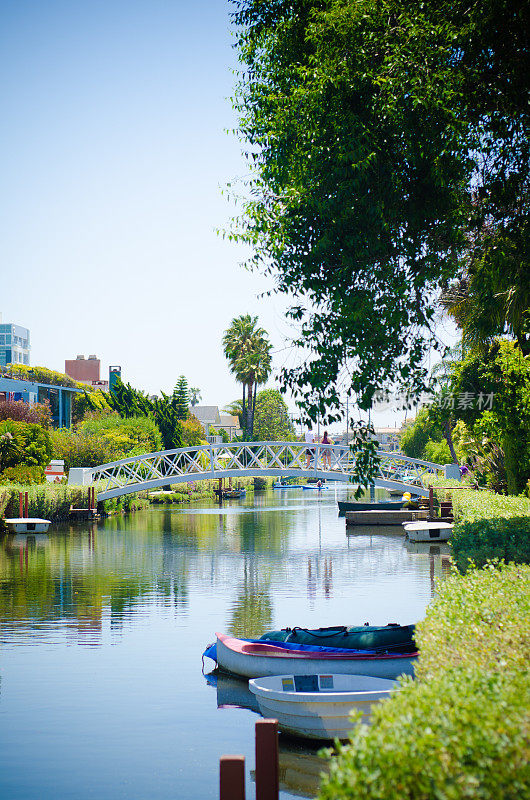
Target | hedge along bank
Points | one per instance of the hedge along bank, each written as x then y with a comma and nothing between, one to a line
53,501
461,729
489,526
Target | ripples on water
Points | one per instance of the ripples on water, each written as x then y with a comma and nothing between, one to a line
102,628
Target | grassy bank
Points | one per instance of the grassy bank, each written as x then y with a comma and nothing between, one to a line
203,490
53,500
462,729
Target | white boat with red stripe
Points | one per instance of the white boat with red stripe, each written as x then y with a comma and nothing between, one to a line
261,659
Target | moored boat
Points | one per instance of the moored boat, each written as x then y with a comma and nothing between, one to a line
318,706
234,494
260,658
27,524
428,531
381,505
287,486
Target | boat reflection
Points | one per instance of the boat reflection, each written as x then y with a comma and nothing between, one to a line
299,763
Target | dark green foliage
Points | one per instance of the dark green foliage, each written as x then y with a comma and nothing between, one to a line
417,433
460,730
486,539
166,415
181,396
388,147
500,375
129,402
363,446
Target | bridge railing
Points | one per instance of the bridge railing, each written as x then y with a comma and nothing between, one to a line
249,458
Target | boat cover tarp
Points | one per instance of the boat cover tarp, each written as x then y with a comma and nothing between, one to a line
365,637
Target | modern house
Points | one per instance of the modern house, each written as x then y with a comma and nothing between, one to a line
60,398
14,344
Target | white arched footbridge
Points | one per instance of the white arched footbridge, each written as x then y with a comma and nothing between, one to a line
245,459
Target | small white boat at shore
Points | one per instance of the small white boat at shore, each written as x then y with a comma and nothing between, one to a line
319,706
27,525
428,531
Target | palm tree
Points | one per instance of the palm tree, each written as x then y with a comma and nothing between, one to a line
235,409
195,395
254,367
247,349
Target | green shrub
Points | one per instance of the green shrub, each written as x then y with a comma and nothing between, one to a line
461,730
124,436
24,443
488,526
486,539
81,450
23,474
101,438
437,452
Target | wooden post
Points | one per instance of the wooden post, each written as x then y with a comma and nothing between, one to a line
232,778
20,505
431,501
267,760
26,504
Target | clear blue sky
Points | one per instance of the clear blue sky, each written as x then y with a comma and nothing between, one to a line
114,154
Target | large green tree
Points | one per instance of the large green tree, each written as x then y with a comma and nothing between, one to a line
389,150
496,385
272,421
181,394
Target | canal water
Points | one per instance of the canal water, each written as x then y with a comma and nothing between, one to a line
102,627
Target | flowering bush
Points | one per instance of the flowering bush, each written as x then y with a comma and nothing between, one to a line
19,411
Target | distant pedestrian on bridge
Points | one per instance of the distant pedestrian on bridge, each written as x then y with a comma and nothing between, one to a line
326,454
309,451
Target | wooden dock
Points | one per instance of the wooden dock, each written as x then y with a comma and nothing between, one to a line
371,518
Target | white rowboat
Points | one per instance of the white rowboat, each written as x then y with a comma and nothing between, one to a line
319,706
428,531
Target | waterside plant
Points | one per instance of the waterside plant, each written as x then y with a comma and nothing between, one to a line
461,730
